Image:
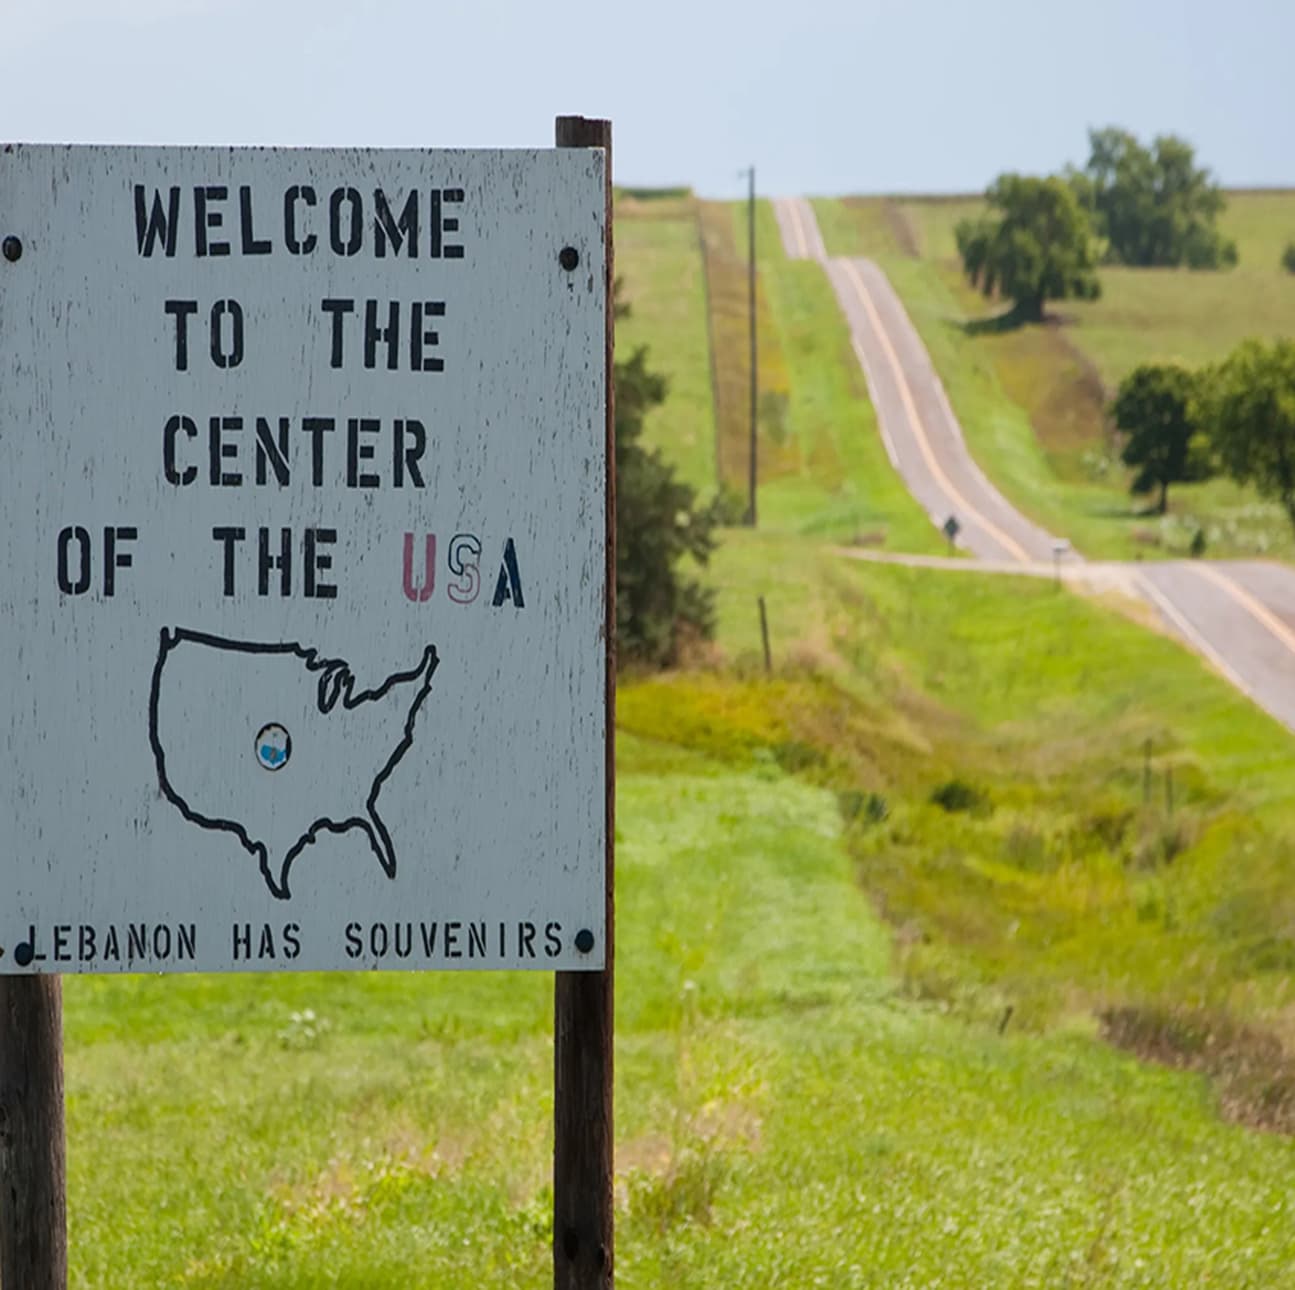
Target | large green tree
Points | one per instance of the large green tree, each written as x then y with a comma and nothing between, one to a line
1246,405
660,528
1154,408
1035,244
1152,206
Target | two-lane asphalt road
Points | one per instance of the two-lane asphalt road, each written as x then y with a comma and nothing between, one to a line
921,434
1240,615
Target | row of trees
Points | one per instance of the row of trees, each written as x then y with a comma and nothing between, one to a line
1043,238
1237,418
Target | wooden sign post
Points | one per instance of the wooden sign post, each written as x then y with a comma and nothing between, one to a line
33,1204
584,1001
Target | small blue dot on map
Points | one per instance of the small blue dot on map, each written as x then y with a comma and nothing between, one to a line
273,746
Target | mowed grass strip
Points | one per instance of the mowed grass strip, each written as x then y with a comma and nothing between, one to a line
728,297
659,264
823,466
1033,401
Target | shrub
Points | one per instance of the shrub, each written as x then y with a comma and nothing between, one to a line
956,795
661,527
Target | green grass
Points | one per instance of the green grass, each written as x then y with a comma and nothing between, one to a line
728,297
786,1115
658,259
824,468
1033,401
1071,890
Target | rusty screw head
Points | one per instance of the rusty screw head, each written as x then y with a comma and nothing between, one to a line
568,258
584,940
12,248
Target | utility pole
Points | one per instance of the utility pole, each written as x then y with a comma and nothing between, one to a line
755,382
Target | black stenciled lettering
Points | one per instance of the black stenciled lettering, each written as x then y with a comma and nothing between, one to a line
451,250
221,450
136,941
422,337
292,940
317,563
476,940
67,584
113,557
86,941
434,225
154,224
337,310
374,334
175,426
552,939
349,243
451,940
251,244
406,456
354,945
231,355
266,562
180,310
271,451
317,428
207,219
526,940
399,232
188,937
358,451
242,941
305,195
62,948
509,584
230,537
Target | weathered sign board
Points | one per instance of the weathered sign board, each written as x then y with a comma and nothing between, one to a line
302,498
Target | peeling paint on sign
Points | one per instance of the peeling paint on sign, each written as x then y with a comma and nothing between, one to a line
302,470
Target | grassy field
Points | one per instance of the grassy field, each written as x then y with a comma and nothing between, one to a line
1068,872
728,301
659,264
1033,400
806,1095
823,468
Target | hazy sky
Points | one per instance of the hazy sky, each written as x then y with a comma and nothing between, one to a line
870,96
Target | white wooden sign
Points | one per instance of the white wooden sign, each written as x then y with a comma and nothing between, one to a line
302,482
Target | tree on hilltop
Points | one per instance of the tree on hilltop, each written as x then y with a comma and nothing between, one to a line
1152,206
1035,246
1154,409
1246,405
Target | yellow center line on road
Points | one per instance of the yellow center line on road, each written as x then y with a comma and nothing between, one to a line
862,355
1255,608
915,420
